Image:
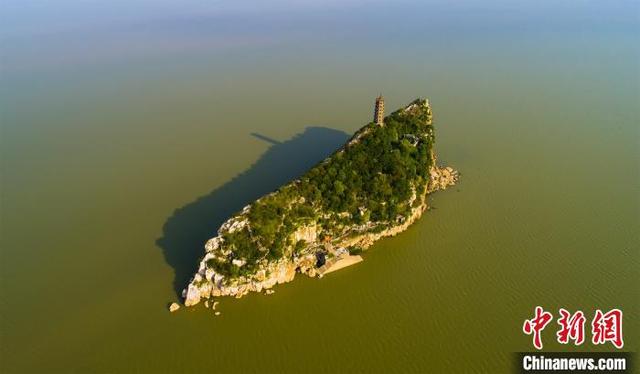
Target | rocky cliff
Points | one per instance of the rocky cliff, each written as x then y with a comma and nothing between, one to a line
315,225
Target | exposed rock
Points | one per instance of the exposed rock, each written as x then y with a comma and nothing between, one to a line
306,233
173,307
238,263
311,273
286,272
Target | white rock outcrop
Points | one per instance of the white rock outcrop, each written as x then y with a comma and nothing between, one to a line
173,307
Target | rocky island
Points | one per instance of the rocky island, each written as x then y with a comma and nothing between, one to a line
372,187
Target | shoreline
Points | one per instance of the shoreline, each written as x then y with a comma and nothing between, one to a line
283,271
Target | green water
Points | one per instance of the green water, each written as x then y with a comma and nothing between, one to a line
130,131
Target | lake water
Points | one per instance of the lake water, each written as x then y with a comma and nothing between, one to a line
131,130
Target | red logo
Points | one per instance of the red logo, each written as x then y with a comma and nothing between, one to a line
536,325
605,327
571,327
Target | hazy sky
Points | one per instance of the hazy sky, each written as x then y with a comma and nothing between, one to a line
36,33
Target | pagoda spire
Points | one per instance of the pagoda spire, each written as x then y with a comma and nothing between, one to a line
378,112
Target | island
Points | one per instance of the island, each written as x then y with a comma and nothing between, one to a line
374,186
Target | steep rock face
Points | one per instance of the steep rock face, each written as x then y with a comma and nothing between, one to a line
307,233
311,240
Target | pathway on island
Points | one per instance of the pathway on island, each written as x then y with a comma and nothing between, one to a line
337,263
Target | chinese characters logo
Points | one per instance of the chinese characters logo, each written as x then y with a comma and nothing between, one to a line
605,327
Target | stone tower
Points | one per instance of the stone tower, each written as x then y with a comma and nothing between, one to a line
378,112
429,112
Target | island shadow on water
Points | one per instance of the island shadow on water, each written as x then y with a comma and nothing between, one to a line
189,227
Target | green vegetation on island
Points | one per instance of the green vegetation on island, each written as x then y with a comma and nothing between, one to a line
368,185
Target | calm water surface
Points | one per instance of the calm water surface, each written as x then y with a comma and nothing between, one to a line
131,130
